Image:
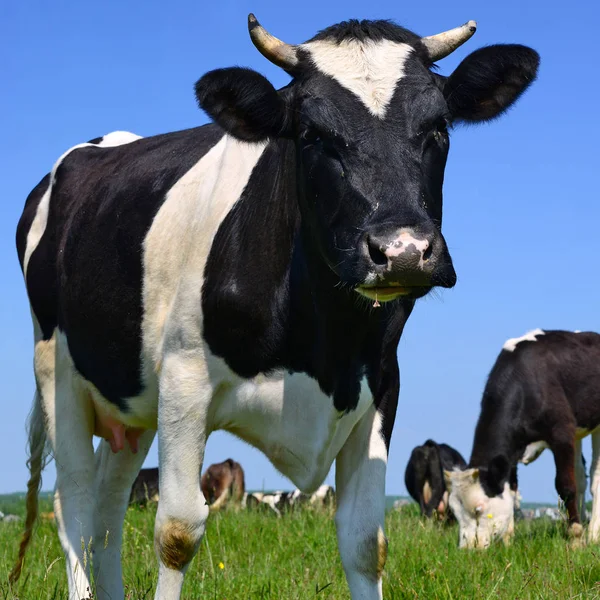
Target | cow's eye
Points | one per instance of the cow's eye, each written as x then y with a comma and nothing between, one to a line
440,130
442,126
311,136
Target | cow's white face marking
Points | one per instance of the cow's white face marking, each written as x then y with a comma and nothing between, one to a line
368,69
38,226
532,452
531,336
481,519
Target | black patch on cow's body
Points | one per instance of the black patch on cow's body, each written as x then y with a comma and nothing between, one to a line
85,276
542,391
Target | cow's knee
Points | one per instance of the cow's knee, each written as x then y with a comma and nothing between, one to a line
176,542
566,488
365,555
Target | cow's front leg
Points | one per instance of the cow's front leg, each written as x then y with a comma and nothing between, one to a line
184,396
360,483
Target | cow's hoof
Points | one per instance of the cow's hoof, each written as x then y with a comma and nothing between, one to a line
575,534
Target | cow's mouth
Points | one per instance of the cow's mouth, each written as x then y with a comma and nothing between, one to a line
385,293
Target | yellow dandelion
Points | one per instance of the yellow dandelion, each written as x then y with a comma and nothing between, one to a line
221,565
489,515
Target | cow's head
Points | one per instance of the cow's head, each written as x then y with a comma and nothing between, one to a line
370,119
483,503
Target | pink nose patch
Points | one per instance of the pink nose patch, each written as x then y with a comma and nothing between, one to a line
403,242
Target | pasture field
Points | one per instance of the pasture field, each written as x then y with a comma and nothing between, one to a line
254,556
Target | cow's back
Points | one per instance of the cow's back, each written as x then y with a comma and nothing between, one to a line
451,458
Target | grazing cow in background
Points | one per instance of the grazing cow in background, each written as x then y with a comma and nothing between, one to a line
223,483
145,487
424,475
324,497
281,501
541,393
225,277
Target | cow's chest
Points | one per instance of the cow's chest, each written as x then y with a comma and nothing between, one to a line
288,418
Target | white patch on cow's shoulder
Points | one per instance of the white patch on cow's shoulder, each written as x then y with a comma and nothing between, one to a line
188,221
38,226
369,69
511,344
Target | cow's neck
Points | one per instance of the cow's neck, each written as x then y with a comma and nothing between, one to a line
497,433
271,302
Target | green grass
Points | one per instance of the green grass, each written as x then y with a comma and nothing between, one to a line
296,557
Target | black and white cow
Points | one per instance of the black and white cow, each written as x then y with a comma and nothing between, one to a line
280,501
424,475
225,277
542,392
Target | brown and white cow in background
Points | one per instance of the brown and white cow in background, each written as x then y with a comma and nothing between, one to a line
223,484
542,392
225,277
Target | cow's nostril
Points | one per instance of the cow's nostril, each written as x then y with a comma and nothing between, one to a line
376,255
427,252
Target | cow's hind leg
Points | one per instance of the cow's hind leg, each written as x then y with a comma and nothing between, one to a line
594,529
69,424
581,480
360,483
566,485
115,474
184,397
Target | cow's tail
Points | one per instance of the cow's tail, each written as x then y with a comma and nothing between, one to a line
35,463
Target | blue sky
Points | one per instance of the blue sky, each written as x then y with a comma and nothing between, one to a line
521,199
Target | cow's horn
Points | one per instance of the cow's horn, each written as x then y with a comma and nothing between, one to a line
441,45
278,52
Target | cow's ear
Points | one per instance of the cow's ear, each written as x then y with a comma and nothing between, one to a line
243,103
499,468
490,80
495,475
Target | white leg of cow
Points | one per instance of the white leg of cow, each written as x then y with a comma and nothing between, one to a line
115,474
69,422
581,480
594,528
185,394
360,483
